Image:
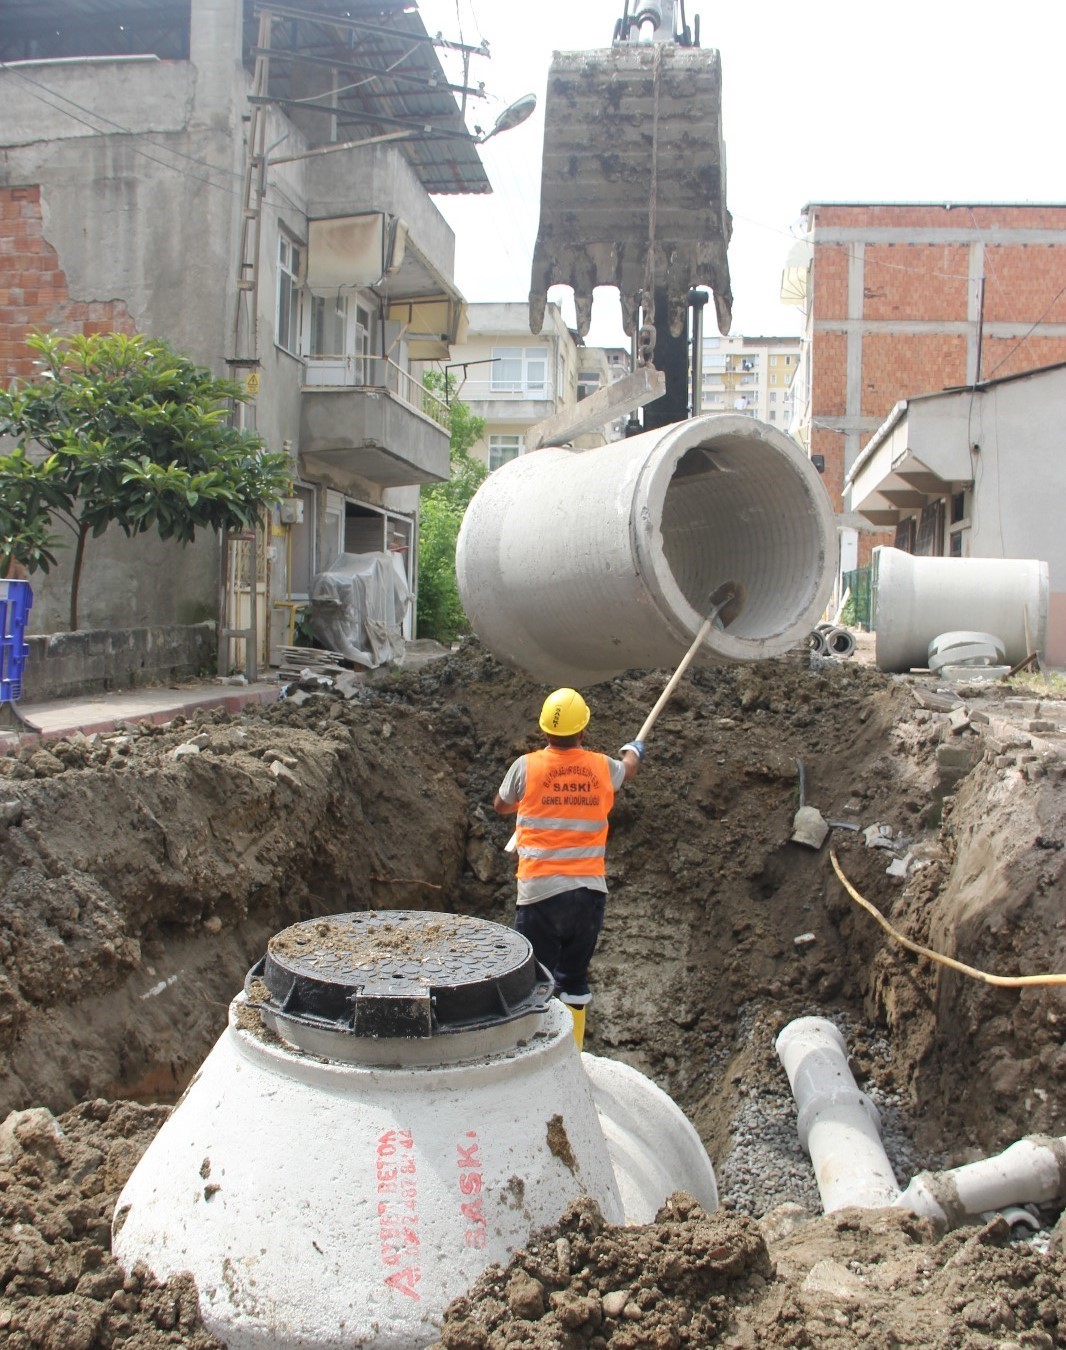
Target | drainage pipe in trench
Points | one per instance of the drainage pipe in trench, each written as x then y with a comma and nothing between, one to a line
575,566
1031,1171
840,1128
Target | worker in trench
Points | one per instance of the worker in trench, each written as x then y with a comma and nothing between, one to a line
562,796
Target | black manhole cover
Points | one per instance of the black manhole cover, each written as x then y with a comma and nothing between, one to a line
399,973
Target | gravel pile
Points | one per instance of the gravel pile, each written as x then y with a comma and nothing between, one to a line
767,1165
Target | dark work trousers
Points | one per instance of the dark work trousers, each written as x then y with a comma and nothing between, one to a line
562,931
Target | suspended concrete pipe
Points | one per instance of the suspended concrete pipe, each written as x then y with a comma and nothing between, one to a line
840,1128
917,599
577,565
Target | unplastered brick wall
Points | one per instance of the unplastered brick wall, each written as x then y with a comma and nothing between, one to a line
893,370
34,294
895,305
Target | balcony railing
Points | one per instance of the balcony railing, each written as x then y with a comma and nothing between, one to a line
377,372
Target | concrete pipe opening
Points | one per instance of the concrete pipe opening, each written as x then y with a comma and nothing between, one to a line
577,565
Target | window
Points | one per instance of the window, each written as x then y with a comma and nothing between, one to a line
362,345
773,395
959,525
290,263
588,381
503,448
329,322
520,370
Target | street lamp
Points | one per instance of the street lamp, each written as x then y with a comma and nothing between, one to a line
512,116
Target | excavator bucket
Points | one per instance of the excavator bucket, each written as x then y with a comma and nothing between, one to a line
633,183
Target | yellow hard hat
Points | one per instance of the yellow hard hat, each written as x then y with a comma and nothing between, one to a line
565,713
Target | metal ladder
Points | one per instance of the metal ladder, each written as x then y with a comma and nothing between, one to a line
246,354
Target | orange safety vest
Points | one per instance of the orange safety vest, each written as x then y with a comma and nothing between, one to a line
562,817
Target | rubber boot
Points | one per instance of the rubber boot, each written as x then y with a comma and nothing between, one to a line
578,1014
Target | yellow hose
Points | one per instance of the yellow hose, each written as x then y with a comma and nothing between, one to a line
1003,981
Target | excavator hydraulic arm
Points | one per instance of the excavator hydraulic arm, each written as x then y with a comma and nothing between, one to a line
633,183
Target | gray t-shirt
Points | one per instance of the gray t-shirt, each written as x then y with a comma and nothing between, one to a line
532,889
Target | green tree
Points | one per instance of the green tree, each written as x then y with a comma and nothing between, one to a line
121,430
442,506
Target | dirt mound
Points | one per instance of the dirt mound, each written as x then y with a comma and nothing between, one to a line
63,1290
857,1278
143,872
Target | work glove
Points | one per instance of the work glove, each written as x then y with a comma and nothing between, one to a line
637,747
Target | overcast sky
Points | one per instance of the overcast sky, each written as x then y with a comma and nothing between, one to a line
830,100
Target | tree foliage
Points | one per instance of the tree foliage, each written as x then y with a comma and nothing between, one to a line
442,507
121,430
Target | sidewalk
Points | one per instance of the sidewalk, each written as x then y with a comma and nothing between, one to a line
105,712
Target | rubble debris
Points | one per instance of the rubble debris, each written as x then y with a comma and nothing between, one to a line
934,700
809,827
958,719
285,774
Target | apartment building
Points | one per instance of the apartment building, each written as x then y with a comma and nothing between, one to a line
903,299
750,375
514,380
219,174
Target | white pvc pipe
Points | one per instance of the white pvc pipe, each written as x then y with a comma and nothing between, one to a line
838,1125
840,1128
577,565
917,599
1031,1171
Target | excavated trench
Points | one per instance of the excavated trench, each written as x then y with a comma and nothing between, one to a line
140,887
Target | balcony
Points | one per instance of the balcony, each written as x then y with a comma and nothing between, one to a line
515,402
367,418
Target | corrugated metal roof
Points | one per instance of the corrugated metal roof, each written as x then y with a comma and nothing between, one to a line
388,72
388,76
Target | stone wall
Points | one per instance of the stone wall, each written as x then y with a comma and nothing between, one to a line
63,665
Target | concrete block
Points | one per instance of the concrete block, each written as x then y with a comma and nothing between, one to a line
958,719
954,757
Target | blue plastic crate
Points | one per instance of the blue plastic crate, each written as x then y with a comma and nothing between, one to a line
16,601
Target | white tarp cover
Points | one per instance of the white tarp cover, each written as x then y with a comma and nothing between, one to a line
358,606
354,250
